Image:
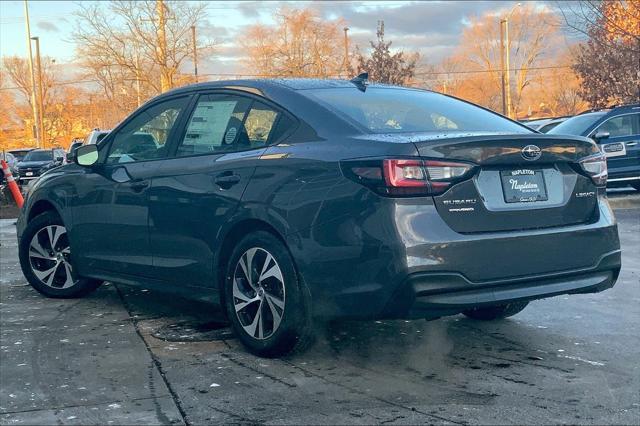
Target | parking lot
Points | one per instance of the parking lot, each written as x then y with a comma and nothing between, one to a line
134,356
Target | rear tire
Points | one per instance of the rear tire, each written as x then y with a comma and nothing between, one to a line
264,297
45,259
496,312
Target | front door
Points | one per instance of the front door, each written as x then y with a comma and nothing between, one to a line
111,209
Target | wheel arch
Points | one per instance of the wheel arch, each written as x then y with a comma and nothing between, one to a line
42,206
234,234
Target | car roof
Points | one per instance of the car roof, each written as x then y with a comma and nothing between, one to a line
263,84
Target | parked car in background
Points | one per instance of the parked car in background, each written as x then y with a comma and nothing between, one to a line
290,199
617,132
535,124
38,161
20,153
12,161
75,144
543,125
546,127
95,136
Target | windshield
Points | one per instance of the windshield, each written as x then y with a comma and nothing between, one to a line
576,125
38,156
396,110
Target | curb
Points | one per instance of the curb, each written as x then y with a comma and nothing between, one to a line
627,202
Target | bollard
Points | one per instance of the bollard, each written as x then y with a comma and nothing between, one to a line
11,182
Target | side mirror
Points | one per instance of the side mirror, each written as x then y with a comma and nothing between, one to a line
86,155
601,135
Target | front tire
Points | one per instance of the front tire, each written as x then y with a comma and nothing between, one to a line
496,312
264,297
45,259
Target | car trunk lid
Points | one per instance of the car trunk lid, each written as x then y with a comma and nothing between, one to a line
521,182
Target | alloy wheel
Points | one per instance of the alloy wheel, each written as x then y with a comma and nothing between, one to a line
258,293
49,253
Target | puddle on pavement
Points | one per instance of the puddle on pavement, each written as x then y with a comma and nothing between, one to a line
194,332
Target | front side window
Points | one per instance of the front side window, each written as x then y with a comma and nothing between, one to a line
146,135
396,110
227,123
620,126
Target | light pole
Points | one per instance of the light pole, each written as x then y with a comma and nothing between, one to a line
195,52
346,52
40,92
505,53
33,77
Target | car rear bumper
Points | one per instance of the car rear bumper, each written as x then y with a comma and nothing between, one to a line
420,267
425,295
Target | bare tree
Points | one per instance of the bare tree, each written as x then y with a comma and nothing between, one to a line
609,62
532,34
17,70
130,44
384,66
300,44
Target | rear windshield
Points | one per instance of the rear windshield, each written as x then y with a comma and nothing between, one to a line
396,110
577,125
38,156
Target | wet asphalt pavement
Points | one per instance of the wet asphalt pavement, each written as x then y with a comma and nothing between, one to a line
131,356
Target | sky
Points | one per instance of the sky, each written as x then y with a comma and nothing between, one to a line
431,28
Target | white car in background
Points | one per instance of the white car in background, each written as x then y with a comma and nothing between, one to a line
95,136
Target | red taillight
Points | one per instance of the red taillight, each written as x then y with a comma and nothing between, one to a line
404,173
596,167
406,177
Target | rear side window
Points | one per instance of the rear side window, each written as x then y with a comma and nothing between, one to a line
227,123
620,126
396,110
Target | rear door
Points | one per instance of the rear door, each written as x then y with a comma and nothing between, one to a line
622,147
200,187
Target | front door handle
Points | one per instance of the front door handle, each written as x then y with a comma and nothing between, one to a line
632,143
138,185
226,180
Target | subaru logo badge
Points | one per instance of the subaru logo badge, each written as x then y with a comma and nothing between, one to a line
531,152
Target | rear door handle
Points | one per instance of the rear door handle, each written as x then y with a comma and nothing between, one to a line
226,179
632,143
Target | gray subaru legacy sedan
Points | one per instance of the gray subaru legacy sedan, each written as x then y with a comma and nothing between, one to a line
290,200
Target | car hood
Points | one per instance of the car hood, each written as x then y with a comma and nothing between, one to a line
33,163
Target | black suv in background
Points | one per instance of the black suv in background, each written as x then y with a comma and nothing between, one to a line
39,161
617,133
20,153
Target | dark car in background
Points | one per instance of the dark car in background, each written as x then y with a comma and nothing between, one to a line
38,161
75,144
20,153
12,162
617,132
287,200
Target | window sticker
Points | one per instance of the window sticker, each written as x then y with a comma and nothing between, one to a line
209,122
